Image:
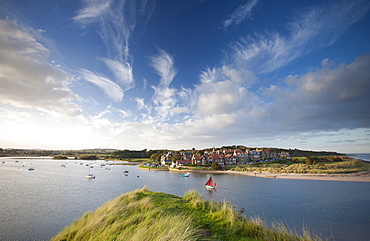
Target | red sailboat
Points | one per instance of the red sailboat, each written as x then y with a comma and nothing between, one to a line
210,184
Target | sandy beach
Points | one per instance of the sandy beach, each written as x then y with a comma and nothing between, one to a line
352,177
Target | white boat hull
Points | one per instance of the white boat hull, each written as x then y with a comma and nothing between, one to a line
90,176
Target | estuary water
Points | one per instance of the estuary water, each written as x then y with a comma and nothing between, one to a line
361,156
35,205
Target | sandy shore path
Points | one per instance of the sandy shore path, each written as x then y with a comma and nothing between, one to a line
352,177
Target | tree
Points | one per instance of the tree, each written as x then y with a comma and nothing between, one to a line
156,157
176,157
308,160
216,166
200,153
295,160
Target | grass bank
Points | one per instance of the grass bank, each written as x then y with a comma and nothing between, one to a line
129,159
146,215
314,165
159,168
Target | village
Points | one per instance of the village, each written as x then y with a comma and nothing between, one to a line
223,157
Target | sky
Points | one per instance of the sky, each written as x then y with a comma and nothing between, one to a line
164,74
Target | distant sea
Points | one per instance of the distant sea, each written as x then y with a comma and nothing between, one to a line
361,156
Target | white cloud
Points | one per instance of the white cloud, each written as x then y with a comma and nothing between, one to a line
115,22
241,13
325,99
27,79
326,21
163,63
223,91
122,71
165,99
92,10
308,31
140,103
110,88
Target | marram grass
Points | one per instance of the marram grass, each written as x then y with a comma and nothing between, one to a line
145,215
340,167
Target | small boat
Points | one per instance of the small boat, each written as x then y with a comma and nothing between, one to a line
90,176
210,184
184,174
31,169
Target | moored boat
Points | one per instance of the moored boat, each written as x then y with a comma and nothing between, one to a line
90,176
184,174
210,184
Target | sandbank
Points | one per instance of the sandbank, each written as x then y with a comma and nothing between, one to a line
351,177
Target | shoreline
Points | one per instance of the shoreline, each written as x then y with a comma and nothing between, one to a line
351,177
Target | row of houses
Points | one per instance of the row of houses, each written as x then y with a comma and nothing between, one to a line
223,157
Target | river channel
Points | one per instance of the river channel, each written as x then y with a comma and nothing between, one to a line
35,205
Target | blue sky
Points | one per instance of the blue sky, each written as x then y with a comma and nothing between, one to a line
146,74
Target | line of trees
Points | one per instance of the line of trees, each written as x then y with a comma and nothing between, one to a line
130,154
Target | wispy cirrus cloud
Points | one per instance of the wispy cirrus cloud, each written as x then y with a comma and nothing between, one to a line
122,71
115,21
311,29
164,98
241,13
163,64
92,10
109,87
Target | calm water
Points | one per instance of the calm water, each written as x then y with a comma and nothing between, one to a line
362,156
35,205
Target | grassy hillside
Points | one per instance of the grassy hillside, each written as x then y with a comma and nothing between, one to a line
146,215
